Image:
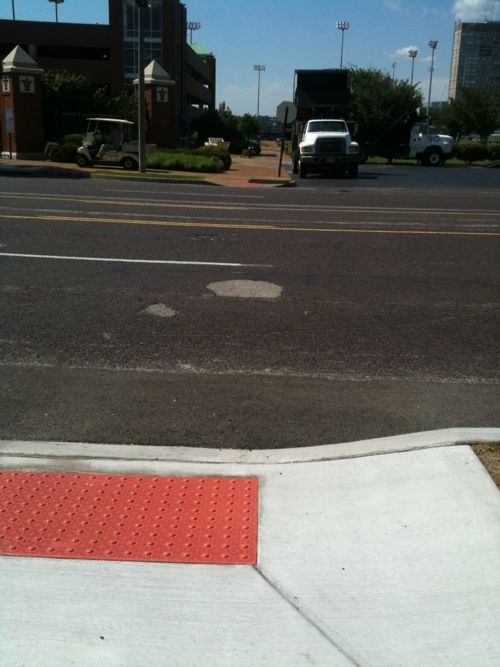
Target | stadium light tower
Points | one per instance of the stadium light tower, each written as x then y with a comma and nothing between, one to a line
433,44
342,25
412,54
56,2
192,25
259,69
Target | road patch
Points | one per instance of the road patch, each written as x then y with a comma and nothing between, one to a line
246,289
160,310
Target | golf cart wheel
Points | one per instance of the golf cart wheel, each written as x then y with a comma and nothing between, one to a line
82,160
129,164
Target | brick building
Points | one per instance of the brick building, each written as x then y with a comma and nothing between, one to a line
107,54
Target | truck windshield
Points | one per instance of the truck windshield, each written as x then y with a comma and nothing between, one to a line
327,126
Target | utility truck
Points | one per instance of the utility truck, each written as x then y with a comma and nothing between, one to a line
325,94
408,137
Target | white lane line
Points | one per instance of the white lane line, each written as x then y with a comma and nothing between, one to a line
133,261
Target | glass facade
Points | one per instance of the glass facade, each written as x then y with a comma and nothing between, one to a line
153,36
475,56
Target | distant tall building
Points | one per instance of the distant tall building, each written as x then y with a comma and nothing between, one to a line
475,59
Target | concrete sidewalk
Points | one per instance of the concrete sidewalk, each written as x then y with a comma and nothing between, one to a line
260,171
380,553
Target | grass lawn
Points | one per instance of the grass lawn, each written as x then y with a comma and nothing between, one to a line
453,162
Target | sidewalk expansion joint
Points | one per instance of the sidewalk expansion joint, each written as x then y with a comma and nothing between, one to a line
292,601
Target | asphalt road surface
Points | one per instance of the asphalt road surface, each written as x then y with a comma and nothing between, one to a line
174,314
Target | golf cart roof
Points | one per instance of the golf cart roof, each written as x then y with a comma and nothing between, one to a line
112,120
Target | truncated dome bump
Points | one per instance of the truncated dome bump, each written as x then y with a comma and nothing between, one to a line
115,517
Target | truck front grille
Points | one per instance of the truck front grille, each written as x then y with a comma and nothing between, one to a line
330,146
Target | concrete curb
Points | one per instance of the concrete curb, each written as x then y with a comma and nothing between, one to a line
132,452
152,179
278,183
41,171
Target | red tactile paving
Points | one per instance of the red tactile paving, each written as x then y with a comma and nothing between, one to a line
112,517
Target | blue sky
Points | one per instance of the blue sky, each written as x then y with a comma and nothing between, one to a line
285,35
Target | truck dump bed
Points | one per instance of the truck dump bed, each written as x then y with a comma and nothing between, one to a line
321,93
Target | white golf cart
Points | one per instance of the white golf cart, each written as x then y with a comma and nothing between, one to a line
107,141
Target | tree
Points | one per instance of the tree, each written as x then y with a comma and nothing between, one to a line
210,124
376,97
450,119
248,125
477,110
123,105
223,123
229,119
69,99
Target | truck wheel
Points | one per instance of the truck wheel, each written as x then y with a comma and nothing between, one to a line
82,160
363,155
352,170
433,158
129,164
302,170
295,166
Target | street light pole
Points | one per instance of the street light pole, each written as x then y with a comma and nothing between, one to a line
13,11
141,106
259,69
433,44
192,25
393,71
342,25
413,54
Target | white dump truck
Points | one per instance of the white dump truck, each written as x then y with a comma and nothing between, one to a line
326,145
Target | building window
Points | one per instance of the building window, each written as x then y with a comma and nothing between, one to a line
153,35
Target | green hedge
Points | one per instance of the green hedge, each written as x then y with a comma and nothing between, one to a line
214,151
470,151
494,152
63,153
473,151
163,159
72,139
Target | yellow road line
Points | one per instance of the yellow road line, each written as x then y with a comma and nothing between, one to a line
130,202
241,207
272,228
